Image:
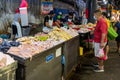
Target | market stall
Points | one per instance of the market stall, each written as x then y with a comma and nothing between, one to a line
39,57
45,65
37,61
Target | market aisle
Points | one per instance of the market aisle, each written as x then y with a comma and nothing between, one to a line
112,68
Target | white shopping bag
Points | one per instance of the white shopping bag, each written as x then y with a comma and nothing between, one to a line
100,53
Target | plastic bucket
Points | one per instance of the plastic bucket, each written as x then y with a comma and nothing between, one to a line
81,51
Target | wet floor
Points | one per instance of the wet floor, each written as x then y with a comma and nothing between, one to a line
112,67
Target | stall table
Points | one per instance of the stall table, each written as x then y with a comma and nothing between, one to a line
43,66
71,54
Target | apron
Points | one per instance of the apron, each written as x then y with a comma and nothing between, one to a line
50,22
47,29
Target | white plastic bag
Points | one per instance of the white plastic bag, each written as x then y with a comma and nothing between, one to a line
100,53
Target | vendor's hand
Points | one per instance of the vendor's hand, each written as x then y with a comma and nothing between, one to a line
101,45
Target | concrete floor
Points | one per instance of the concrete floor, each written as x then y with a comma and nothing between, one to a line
112,67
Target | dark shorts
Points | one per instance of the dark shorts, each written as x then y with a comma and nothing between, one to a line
118,38
14,29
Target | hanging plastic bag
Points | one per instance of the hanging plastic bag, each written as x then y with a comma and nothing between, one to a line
112,34
101,54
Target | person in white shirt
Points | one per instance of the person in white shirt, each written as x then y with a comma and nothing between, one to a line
16,28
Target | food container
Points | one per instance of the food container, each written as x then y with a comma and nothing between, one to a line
8,72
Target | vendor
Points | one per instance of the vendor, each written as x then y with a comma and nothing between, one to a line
16,28
59,20
48,22
69,19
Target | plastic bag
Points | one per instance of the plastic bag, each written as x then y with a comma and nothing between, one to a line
112,34
100,53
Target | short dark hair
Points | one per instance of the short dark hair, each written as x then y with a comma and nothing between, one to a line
104,14
70,13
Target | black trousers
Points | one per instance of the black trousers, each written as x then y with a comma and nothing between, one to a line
14,29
